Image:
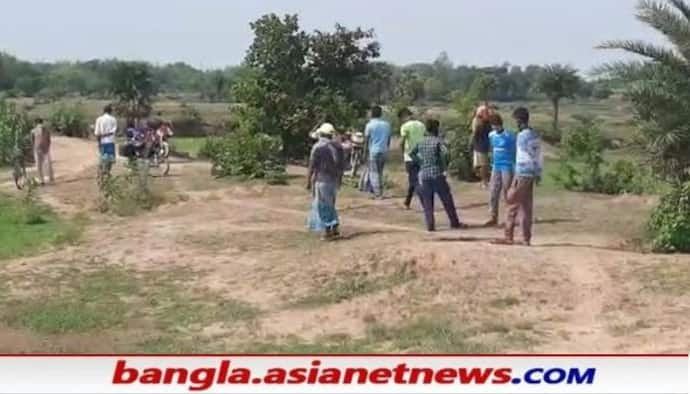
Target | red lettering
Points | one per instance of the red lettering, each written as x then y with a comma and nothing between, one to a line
275,376
502,376
170,373
239,376
202,379
400,373
445,376
151,376
297,376
124,375
428,375
474,375
330,376
380,376
361,375
223,373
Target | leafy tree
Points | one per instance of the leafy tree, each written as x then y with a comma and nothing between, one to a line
297,79
558,82
659,86
132,86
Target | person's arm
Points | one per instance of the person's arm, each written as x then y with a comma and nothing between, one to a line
312,169
367,135
403,139
538,159
414,154
443,157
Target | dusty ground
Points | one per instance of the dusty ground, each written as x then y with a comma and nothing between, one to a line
229,267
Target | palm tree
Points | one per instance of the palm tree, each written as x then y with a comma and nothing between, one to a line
659,85
558,82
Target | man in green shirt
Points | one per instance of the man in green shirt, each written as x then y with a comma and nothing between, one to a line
412,132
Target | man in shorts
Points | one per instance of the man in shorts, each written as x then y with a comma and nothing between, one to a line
105,130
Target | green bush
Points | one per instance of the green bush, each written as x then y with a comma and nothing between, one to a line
14,131
245,155
70,121
132,192
669,226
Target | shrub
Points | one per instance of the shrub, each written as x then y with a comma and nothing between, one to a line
70,121
245,155
131,193
669,226
14,131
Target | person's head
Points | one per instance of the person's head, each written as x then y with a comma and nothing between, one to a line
108,109
496,122
404,114
39,122
483,112
376,111
326,130
130,124
433,127
521,116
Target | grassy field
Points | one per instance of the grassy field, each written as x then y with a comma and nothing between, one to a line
27,228
188,145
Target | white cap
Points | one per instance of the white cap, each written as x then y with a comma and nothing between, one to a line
326,129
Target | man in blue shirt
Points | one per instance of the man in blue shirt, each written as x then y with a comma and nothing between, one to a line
502,143
529,163
378,139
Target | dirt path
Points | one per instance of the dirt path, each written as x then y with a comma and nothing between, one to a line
571,292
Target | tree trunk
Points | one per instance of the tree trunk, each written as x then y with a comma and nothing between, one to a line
556,108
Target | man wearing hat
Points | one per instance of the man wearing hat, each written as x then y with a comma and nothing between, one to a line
326,167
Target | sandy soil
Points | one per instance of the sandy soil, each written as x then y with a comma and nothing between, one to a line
577,289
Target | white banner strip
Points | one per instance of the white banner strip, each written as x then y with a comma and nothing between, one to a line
344,374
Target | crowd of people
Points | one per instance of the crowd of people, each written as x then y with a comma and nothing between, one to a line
140,141
507,163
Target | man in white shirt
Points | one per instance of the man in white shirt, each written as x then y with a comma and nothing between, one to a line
105,129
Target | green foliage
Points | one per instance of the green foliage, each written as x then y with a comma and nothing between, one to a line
558,82
70,121
14,131
132,85
131,193
669,226
297,80
583,168
659,87
246,155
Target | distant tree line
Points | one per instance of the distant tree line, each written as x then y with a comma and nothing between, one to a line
93,79
384,82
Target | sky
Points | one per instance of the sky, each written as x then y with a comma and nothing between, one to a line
216,33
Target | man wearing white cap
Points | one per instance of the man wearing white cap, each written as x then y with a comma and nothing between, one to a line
326,167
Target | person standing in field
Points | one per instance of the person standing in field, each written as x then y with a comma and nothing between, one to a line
503,156
528,170
480,143
41,145
105,130
412,132
432,157
326,167
377,140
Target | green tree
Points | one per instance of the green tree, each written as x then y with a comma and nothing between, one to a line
558,82
659,86
132,85
297,79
